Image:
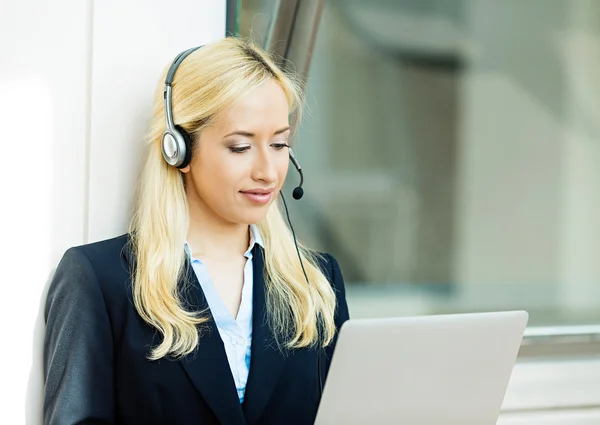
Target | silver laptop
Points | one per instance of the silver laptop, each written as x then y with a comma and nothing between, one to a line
433,370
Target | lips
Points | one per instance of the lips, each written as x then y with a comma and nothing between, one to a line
258,191
258,195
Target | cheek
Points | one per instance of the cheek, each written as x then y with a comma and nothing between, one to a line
221,176
282,169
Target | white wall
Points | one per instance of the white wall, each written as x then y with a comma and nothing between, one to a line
77,82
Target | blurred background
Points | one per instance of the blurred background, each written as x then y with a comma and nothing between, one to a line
451,150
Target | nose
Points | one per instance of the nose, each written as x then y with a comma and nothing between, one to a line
265,167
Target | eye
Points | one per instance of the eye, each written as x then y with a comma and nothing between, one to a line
280,146
239,149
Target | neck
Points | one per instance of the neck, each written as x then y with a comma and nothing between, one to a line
210,237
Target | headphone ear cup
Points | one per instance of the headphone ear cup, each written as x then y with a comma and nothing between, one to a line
187,139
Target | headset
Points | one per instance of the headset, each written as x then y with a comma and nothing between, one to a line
177,151
177,143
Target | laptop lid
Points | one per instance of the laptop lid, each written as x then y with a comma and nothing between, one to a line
441,369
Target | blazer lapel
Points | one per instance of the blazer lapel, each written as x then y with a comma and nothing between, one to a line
266,360
208,367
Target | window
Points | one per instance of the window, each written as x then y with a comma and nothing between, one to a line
452,160
451,154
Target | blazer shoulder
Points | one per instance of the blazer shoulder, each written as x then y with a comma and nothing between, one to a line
104,261
105,250
334,274
328,264
331,268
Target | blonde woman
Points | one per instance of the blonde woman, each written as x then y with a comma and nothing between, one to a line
206,311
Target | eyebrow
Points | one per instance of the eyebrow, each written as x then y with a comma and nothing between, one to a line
249,134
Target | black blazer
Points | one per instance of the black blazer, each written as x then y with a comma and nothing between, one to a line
95,350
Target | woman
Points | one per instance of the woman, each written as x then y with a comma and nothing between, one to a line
206,311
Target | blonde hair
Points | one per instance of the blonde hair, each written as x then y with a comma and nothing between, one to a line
209,81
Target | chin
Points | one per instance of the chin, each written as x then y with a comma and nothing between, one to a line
254,219
250,215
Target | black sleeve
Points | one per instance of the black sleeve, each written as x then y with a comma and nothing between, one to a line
341,313
78,347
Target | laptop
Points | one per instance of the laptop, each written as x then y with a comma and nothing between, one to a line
431,370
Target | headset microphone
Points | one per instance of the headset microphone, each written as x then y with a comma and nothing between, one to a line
298,191
297,194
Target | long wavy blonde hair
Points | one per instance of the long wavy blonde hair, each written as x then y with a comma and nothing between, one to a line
208,82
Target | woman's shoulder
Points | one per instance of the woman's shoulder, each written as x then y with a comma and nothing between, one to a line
327,262
102,253
333,272
104,250
103,263
331,269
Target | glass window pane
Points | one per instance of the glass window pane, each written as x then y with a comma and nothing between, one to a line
451,151
255,18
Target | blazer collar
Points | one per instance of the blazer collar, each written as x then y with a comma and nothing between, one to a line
208,367
266,361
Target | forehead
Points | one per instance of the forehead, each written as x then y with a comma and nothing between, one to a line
265,107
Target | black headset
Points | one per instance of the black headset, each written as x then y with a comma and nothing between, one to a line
177,151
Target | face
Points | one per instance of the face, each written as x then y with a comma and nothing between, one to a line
240,161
